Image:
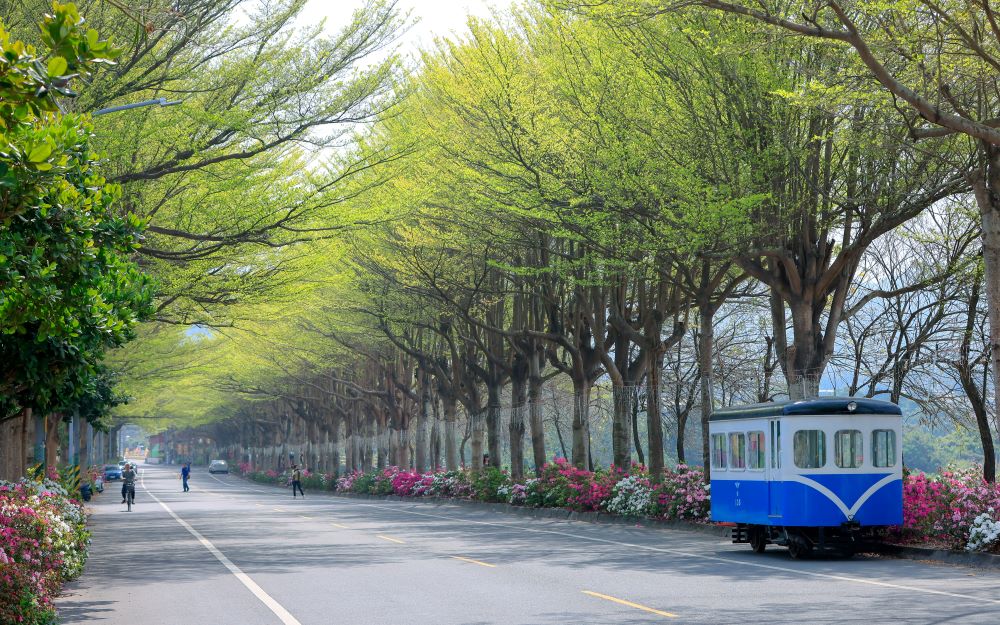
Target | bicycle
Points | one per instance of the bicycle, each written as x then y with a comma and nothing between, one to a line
129,495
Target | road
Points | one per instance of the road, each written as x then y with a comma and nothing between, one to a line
234,553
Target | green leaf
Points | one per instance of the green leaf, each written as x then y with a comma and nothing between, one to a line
39,153
57,66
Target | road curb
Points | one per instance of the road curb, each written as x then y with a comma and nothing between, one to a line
963,558
904,552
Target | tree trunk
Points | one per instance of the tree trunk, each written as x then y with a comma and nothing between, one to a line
68,444
986,438
108,441
352,443
450,435
39,442
706,345
5,449
434,445
803,362
635,431
403,447
52,440
476,423
383,438
581,422
535,414
806,359
986,187
682,417
519,398
654,425
334,436
369,443
423,416
621,428
493,412
84,449
12,450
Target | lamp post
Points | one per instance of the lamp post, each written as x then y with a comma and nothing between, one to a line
135,105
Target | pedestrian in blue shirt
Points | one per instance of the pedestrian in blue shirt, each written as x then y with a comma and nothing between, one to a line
185,474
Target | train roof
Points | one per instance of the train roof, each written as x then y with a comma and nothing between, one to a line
825,406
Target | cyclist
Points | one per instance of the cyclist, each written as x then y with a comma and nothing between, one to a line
128,482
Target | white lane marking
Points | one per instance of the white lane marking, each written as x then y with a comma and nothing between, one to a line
770,567
283,615
390,539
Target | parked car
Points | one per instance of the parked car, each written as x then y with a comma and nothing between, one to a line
218,466
112,472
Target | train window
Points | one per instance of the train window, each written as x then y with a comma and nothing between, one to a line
848,449
755,450
809,448
718,451
775,444
737,450
884,448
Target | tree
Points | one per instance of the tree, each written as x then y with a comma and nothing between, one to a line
68,287
258,156
938,61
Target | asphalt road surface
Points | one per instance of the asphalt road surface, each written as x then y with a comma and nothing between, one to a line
234,553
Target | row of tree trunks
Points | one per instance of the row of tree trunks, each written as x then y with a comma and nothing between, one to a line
32,439
369,439
14,445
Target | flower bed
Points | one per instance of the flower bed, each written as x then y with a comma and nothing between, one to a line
681,494
43,543
956,510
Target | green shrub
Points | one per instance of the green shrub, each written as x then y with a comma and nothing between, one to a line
486,482
365,483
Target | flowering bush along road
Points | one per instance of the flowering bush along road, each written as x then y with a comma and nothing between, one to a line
43,543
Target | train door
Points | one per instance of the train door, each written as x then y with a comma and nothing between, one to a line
774,486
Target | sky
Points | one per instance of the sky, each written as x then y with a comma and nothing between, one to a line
436,17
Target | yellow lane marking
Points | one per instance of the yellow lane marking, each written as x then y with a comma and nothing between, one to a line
395,540
302,516
628,603
279,509
343,527
492,566
259,505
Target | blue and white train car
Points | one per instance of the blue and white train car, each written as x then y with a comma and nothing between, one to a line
816,474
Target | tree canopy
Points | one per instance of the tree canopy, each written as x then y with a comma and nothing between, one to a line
582,223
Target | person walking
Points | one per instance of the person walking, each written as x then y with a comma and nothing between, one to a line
185,474
297,481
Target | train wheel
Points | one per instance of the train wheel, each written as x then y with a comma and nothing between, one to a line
758,540
799,548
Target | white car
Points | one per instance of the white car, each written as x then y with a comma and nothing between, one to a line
218,466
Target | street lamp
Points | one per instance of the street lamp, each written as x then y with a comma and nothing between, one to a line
135,105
